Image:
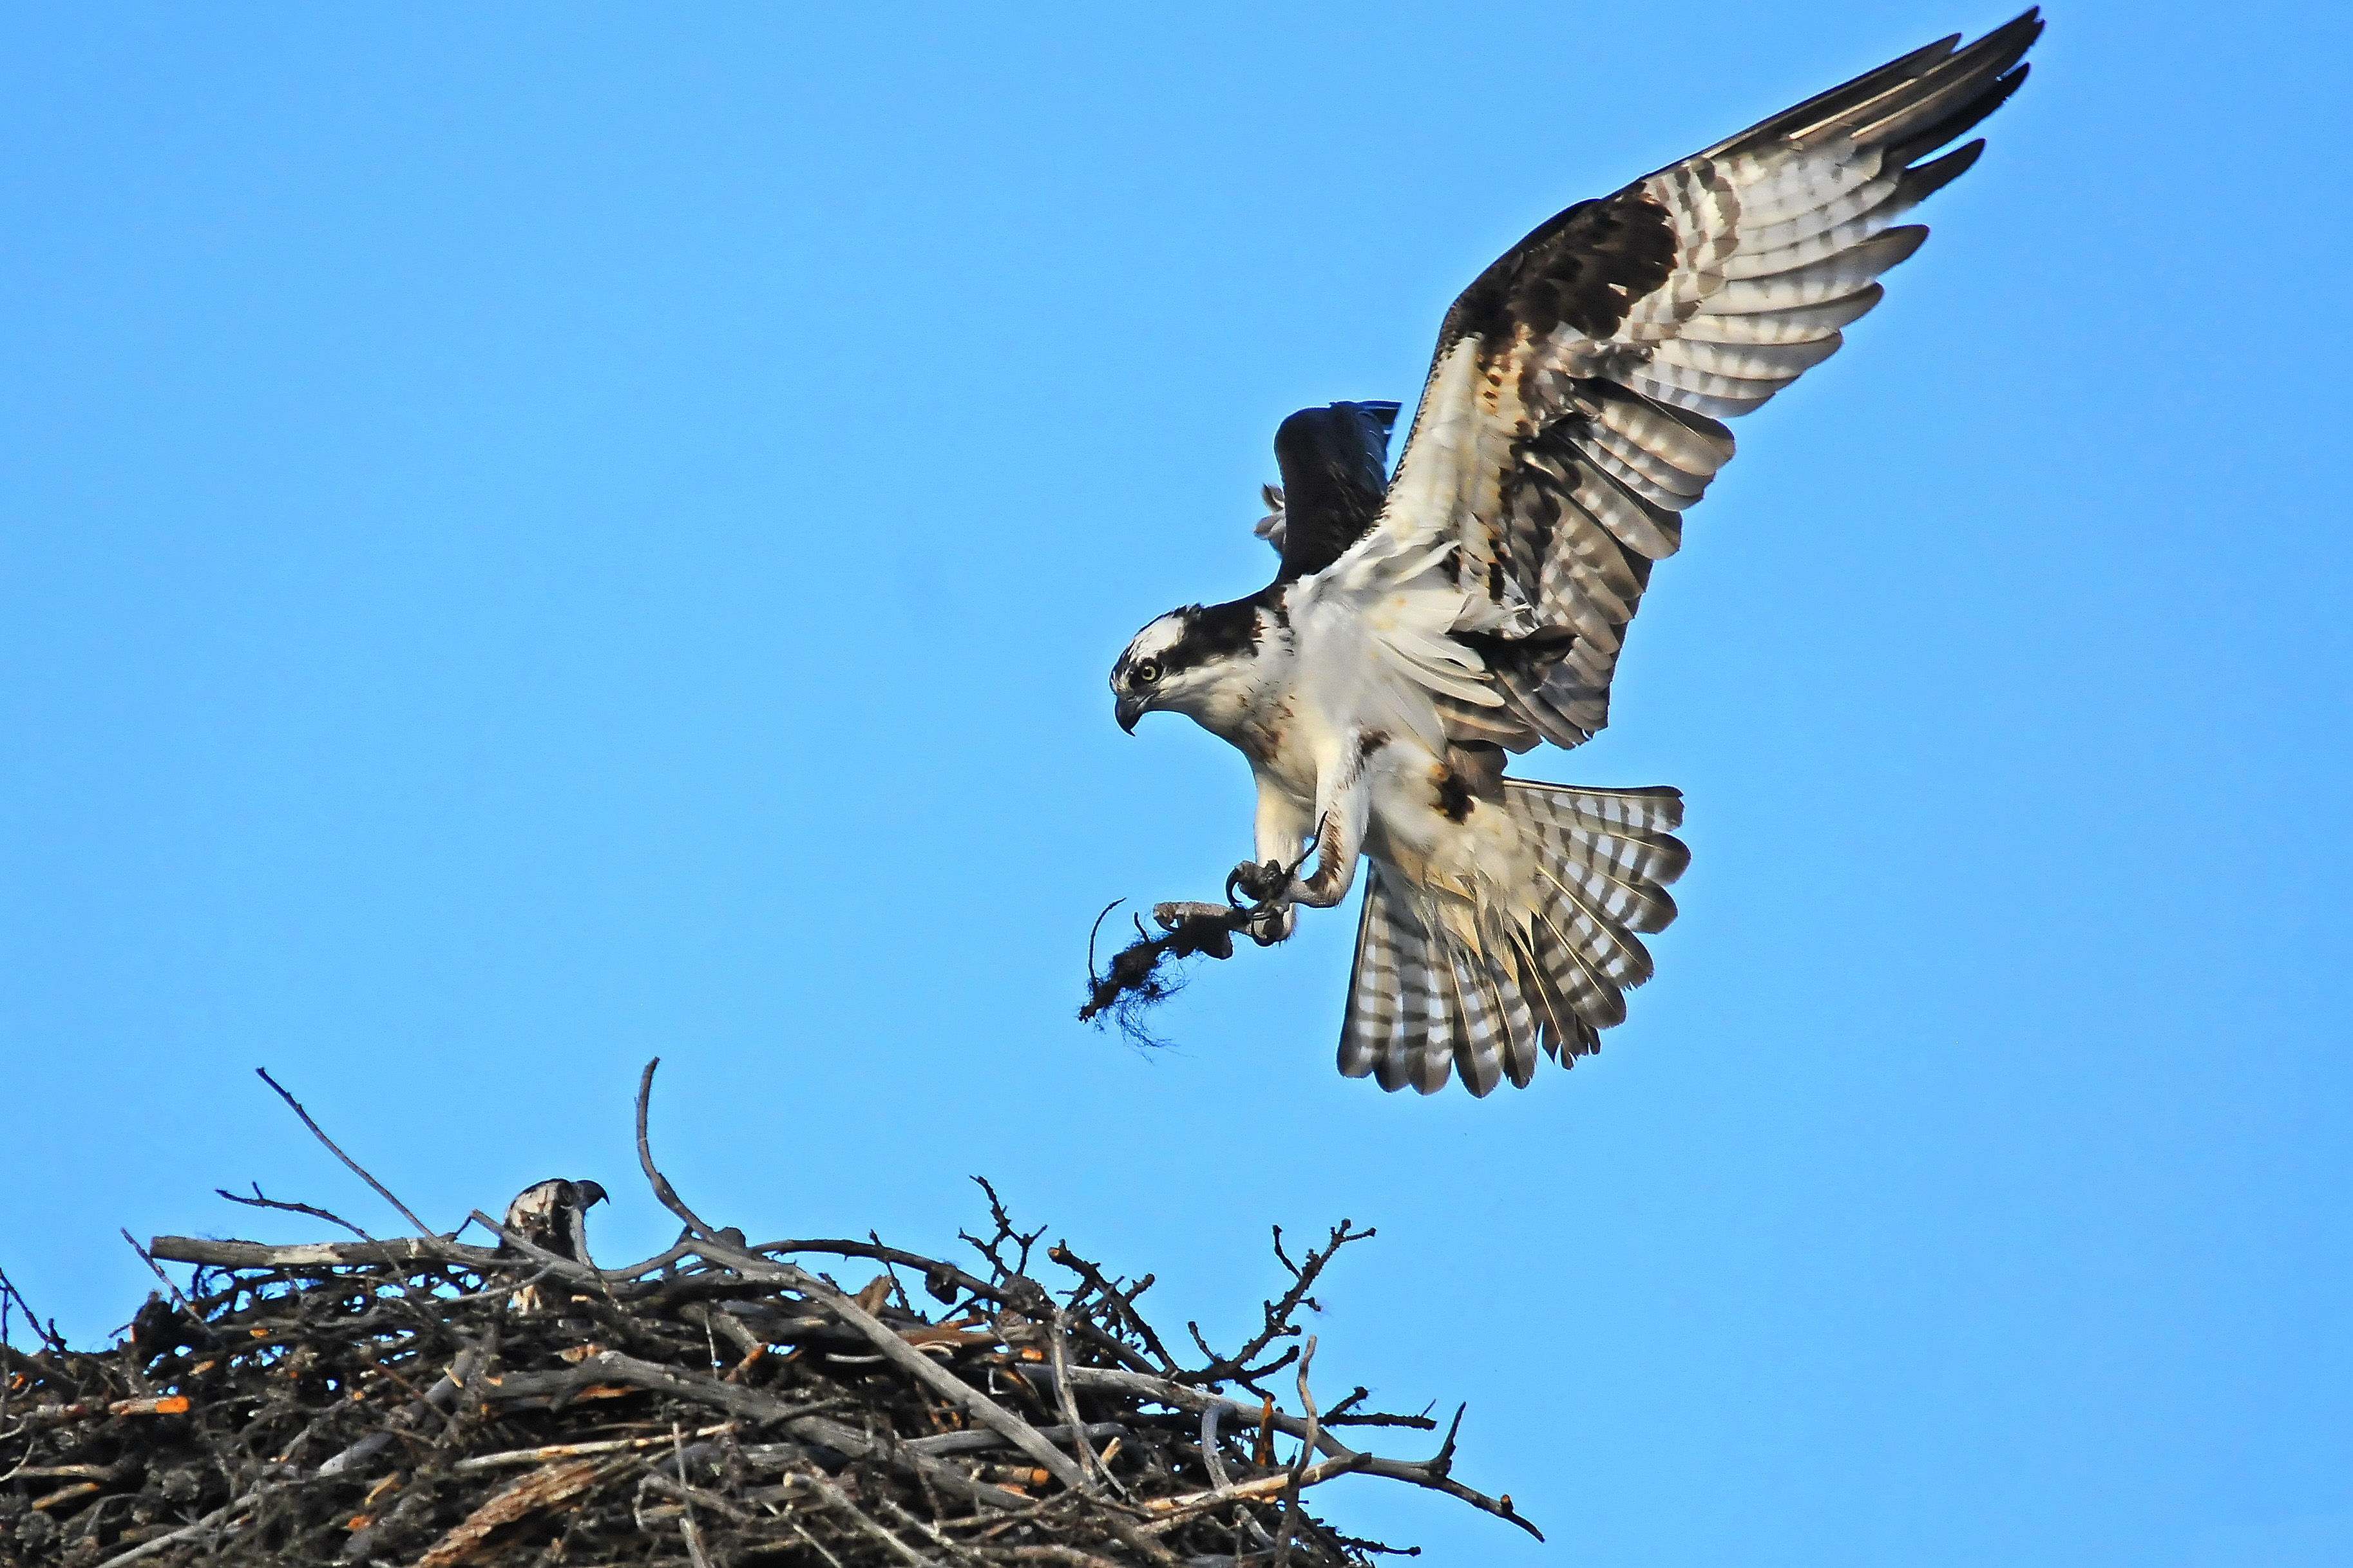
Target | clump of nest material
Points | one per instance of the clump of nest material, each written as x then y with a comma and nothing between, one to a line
1139,977
432,1403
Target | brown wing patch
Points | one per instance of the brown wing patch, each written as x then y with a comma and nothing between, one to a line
1582,268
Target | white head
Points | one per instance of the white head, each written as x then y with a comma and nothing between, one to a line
1200,661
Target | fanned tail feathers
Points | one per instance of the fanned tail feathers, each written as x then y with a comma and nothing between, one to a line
1423,1003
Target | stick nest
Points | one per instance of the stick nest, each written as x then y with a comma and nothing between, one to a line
432,1403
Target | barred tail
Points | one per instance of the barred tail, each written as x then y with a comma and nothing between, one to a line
1423,1004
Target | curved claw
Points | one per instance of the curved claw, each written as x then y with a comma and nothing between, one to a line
1261,882
1270,881
1269,926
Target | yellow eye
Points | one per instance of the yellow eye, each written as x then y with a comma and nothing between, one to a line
1147,672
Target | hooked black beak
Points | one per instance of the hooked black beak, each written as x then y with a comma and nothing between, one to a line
591,1194
1128,710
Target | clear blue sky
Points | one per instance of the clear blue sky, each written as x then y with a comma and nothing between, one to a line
531,537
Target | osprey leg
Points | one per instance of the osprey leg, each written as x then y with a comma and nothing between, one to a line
1339,837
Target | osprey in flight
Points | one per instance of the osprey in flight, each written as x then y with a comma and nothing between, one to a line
1422,626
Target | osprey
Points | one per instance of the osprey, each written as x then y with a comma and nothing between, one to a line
1422,625
552,1216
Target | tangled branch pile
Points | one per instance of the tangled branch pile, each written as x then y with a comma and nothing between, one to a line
432,1403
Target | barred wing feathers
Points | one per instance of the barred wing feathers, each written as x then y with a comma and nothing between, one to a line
1423,1004
1574,408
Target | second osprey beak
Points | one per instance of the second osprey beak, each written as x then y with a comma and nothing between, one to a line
1129,709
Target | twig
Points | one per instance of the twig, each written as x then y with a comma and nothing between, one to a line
187,1532
1338,1415
49,1333
260,1201
320,1133
895,1350
1429,1474
993,1248
1261,1489
856,1516
1213,1460
897,1286
948,1274
815,1545
914,1521
686,1499
443,1393
972,1401
1088,1457
1124,1304
1285,1531
1278,1313
972,1442
513,1457
661,1184
323,1256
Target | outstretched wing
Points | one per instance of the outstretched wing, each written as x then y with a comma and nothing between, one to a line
1573,410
